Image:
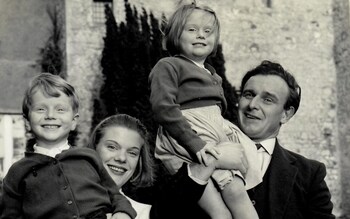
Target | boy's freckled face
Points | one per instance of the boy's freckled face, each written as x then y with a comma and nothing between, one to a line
51,118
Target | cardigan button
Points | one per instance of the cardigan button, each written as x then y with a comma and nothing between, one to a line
74,216
69,202
65,187
55,162
253,202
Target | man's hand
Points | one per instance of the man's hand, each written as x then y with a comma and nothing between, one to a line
231,156
120,215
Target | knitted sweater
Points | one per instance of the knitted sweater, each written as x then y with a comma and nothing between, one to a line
177,83
71,185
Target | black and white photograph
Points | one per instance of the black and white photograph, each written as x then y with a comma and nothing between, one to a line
164,109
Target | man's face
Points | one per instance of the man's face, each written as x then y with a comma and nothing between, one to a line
260,108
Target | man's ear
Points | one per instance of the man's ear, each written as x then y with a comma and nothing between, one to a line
75,122
287,114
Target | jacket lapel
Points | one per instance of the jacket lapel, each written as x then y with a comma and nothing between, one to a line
282,178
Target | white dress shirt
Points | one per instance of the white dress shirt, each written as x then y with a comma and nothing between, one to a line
265,153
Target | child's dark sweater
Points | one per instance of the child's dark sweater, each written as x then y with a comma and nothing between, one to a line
71,185
177,83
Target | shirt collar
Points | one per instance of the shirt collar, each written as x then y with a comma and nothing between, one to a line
52,152
268,144
196,63
205,66
201,66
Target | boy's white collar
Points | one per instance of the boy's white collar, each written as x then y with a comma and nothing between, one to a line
52,152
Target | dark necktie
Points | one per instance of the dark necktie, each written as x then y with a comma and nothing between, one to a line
258,146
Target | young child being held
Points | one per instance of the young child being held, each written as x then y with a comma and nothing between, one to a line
55,180
188,100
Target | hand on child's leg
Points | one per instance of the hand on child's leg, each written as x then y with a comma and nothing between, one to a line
231,157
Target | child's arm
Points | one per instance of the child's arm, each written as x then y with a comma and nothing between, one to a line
11,203
164,87
122,206
11,199
120,203
208,150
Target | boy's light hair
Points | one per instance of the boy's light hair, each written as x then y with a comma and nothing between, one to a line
49,84
176,24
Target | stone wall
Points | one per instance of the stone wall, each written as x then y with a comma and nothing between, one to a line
309,38
342,57
84,46
24,29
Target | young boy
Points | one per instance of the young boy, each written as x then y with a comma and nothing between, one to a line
55,180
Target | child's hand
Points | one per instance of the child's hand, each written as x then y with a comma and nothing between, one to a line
210,149
120,215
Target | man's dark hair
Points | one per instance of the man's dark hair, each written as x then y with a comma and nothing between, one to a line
271,68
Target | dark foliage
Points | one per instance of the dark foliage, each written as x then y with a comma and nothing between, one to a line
131,49
51,59
218,62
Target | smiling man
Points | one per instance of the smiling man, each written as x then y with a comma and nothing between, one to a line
293,186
